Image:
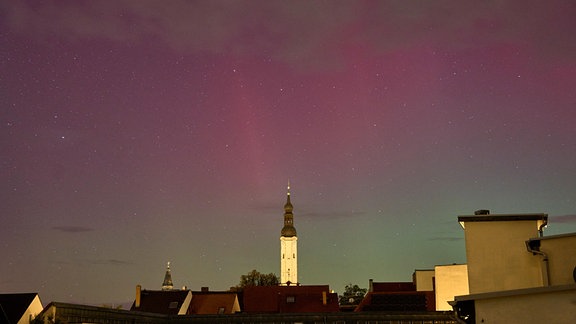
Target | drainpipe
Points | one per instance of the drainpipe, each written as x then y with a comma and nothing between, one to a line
541,228
533,247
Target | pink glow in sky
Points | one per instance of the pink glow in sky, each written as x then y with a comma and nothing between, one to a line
138,132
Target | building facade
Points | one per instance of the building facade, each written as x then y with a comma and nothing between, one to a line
496,253
515,273
450,280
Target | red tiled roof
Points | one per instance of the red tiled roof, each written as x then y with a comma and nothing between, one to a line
393,286
214,303
289,299
161,302
397,296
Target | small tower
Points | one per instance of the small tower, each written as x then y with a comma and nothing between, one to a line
288,246
167,284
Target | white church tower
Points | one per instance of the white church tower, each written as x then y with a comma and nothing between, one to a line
288,246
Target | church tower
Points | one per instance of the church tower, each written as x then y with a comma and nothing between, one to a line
288,246
167,284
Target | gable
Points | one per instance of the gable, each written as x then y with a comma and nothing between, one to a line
13,306
214,303
162,302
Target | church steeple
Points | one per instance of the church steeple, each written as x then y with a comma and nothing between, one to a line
167,284
288,230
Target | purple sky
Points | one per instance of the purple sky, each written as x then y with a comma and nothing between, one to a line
138,132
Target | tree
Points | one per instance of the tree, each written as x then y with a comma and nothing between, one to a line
255,278
352,295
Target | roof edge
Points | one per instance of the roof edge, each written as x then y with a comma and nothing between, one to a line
551,237
502,217
515,292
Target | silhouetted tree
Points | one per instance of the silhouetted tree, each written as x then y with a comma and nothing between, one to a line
255,278
352,295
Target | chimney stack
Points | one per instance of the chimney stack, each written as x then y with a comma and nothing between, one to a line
138,293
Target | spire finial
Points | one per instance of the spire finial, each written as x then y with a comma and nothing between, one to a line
288,188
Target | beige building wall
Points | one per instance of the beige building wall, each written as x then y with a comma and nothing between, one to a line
534,307
424,280
496,252
451,280
561,252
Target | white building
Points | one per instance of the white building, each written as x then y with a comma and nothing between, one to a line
288,246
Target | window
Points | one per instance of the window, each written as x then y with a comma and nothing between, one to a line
173,305
290,299
221,310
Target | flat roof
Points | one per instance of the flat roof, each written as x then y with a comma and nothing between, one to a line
551,237
516,292
450,264
502,217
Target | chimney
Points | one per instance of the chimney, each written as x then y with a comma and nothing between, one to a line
138,293
204,289
482,212
370,285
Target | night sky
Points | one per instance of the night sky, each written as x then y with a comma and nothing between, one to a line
133,133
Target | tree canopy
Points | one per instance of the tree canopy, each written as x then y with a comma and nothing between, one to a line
352,295
255,278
